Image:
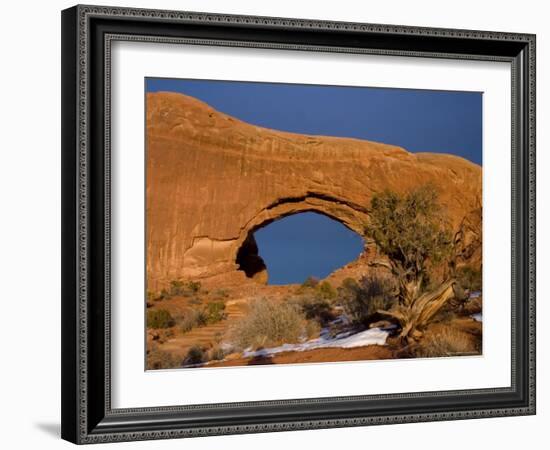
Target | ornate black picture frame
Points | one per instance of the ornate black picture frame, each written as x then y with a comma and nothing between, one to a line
87,34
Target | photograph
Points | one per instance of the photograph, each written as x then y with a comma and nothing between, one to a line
282,220
310,224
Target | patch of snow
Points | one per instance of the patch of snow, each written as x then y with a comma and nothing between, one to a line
373,336
477,317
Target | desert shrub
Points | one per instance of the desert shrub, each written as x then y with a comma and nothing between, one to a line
159,359
325,291
195,355
315,299
156,296
268,323
349,284
313,307
194,286
216,354
177,287
361,301
347,290
469,278
446,341
221,293
310,282
215,311
193,318
414,233
159,318
181,288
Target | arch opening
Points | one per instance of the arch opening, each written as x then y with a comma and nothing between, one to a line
294,247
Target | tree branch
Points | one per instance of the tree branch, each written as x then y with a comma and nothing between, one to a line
385,264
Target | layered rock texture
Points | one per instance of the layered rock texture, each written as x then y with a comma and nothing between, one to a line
212,180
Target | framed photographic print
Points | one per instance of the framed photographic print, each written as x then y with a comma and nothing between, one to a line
282,224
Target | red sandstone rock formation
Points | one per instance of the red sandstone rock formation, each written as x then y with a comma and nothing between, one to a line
212,180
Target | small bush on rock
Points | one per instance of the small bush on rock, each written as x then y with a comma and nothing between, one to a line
195,355
361,301
159,318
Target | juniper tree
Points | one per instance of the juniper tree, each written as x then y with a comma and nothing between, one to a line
412,231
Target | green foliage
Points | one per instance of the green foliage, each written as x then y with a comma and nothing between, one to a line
194,286
322,289
348,290
412,231
159,318
268,323
325,291
193,318
215,311
361,301
409,229
348,285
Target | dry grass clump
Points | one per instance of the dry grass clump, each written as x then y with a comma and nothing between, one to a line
181,288
267,324
159,359
192,319
313,329
447,341
217,353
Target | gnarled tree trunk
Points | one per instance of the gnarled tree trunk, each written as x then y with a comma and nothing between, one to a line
415,316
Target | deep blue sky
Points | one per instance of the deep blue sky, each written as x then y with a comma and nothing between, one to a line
418,120
306,244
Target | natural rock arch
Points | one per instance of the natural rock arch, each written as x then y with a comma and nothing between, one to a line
212,178
247,257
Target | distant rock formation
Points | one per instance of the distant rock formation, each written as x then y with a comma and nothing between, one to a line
212,180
